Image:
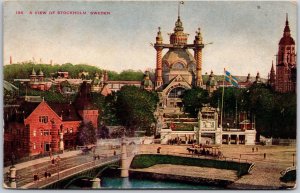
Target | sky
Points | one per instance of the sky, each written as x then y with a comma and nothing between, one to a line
245,35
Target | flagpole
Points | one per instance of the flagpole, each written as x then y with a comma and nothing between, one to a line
222,103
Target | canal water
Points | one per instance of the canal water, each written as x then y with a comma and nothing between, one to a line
133,183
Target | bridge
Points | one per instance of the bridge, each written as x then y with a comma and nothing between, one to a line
87,168
48,174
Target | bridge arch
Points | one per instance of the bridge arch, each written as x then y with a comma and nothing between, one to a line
90,175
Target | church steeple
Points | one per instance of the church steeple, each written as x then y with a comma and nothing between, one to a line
272,78
286,31
286,62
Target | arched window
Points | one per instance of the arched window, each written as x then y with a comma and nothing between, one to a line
178,66
176,92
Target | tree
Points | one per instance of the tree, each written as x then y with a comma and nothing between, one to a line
194,99
135,108
86,134
275,113
103,132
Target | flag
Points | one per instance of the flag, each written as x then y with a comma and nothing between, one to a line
231,79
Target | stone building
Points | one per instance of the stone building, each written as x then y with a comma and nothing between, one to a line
37,81
178,70
207,130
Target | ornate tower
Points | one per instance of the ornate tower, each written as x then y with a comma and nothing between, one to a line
198,57
286,62
178,61
159,47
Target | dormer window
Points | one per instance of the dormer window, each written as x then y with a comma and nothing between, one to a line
43,119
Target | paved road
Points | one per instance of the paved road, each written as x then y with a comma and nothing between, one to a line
25,171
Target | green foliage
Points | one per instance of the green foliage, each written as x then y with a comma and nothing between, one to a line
194,99
148,160
86,134
135,108
23,71
126,75
275,113
231,96
110,110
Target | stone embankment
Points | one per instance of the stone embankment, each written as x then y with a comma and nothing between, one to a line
269,162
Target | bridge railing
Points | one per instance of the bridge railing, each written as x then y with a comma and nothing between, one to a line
70,172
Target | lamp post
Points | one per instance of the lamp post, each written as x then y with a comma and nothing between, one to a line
57,162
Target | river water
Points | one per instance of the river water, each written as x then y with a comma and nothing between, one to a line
133,183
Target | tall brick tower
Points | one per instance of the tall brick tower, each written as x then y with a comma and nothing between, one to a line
286,62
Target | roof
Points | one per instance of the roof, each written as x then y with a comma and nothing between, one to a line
287,40
66,110
123,82
106,91
175,55
8,86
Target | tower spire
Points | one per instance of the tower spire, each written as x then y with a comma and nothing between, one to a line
287,27
179,3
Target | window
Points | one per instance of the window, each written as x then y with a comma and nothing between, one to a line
41,132
46,132
34,146
34,133
178,66
43,119
71,130
176,92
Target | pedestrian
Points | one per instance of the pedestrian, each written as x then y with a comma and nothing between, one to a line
115,153
35,177
256,148
49,174
46,174
265,155
158,149
252,149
